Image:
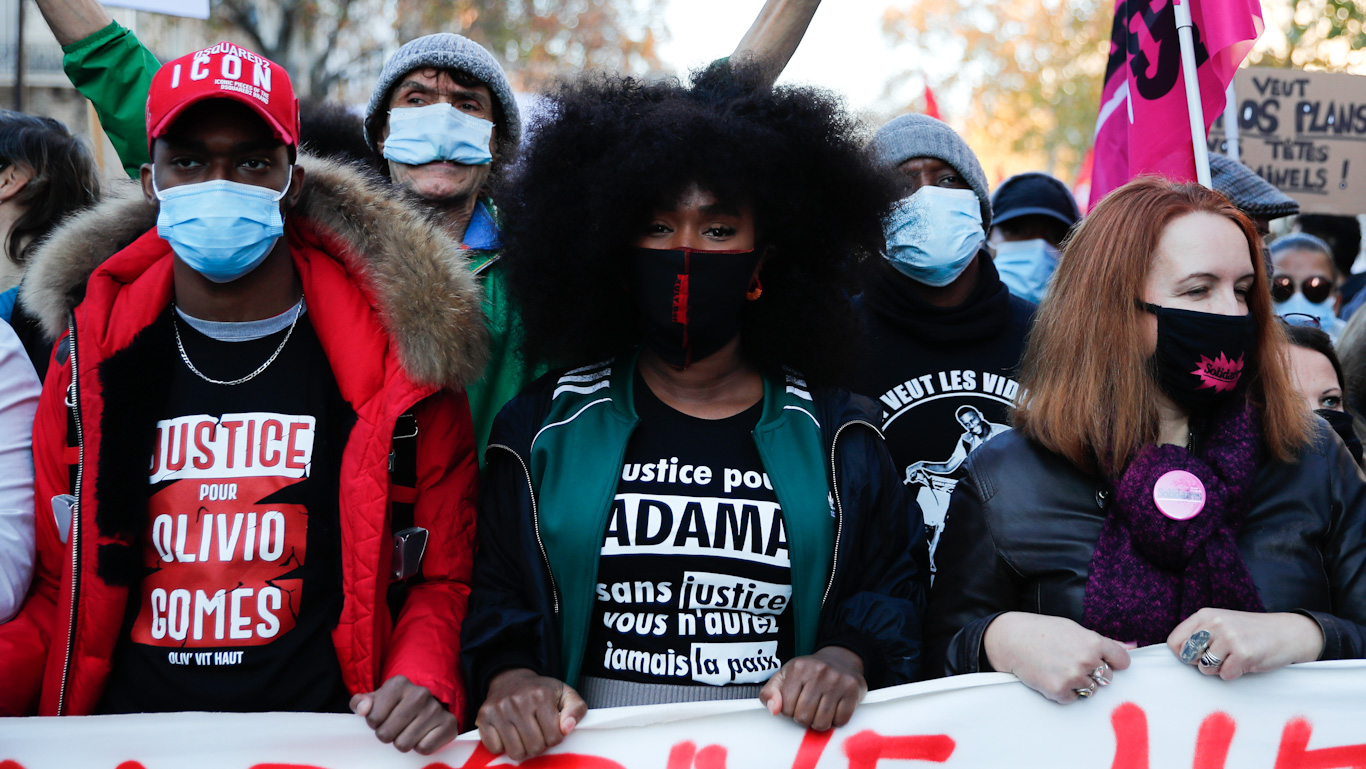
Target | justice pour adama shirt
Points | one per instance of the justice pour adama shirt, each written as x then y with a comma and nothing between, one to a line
694,584
241,585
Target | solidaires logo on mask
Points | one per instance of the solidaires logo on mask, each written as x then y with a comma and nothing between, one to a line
1221,374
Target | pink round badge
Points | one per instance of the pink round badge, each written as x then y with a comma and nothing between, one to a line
1179,495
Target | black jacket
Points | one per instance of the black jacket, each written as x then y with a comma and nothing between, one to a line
876,600
1026,521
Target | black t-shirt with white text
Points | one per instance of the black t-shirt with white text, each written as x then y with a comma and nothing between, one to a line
946,379
694,584
241,586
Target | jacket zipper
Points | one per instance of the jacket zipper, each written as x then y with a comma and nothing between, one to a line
480,269
536,523
75,530
839,507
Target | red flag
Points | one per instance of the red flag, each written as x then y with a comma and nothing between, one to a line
1144,124
931,106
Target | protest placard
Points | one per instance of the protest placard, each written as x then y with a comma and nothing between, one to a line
1305,132
1159,714
195,9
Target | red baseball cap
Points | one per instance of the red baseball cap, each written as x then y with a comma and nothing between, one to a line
224,71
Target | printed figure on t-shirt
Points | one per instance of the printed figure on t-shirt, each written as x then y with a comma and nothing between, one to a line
933,423
939,478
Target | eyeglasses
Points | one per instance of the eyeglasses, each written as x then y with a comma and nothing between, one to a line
1300,319
1315,288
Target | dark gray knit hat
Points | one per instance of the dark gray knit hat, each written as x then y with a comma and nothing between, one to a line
444,50
1252,194
921,136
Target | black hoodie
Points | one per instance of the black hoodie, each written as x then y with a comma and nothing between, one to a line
930,367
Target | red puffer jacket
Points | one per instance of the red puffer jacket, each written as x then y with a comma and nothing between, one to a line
399,318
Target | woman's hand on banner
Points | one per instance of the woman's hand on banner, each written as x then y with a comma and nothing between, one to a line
525,713
407,715
1249,642
1054,656
819,690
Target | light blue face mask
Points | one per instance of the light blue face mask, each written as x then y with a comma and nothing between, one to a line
419,135
1328,320
1025,267
221,229
934,234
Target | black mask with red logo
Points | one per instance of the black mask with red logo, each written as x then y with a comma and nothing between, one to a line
690,303
1201,357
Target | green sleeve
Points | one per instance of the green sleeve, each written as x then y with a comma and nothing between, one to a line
505,374
114,71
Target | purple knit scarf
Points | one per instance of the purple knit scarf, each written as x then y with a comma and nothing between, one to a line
1150,572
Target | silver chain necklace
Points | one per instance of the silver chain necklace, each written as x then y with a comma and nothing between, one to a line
298,311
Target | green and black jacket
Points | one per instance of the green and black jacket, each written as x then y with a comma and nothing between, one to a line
859,571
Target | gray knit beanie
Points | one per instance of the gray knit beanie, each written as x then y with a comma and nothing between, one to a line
921,136
444,50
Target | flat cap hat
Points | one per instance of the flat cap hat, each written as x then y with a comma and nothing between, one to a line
1252,194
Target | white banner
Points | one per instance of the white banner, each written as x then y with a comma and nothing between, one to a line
1158,714
195,9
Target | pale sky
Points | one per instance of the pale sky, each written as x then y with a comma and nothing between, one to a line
844,49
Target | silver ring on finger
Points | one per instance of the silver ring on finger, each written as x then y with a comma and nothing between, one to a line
1087,692
1101,675
1209,661
1195,646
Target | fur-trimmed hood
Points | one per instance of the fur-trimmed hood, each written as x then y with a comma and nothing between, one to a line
429,301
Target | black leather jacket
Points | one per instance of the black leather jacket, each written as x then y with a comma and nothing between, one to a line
1023,524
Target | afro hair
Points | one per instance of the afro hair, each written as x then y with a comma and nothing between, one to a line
611,149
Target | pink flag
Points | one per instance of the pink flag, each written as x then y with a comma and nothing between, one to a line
1144,124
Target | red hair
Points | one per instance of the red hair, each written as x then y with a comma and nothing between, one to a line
1087,387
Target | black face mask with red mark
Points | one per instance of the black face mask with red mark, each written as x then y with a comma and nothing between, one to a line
691,303
1202,357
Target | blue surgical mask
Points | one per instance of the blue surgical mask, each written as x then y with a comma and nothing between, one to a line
221,229
1025,267
933,235
419,135
1328,320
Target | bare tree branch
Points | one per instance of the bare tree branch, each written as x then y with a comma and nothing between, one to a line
289,16
239,17
321,76
327,43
